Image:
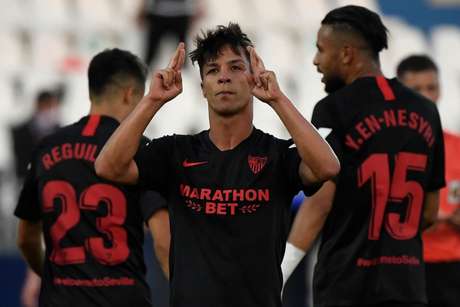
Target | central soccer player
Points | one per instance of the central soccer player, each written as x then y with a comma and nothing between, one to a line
229,188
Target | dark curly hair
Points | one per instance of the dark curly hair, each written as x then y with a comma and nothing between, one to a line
362,22
210,43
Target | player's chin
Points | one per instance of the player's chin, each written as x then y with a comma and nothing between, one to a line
227,110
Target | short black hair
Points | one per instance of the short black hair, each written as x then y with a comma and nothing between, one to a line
415,63
111,66
210,43
361,21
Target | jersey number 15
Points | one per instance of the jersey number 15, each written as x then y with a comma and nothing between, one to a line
376,168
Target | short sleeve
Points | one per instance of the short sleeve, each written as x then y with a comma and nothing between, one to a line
28,205
150,203
326,120
437,176
153,161
292,162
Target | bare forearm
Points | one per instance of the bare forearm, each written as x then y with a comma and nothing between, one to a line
160,231
117,154
313,149
163,259
306,227
30,243
311,217
33,253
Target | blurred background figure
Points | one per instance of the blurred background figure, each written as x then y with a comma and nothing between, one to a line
166,17
442,240
44,121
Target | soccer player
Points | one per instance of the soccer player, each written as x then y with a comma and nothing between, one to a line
389,142
92,228
229,188
441,242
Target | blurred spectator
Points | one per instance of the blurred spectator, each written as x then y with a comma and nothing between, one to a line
44,121
441,242
162,17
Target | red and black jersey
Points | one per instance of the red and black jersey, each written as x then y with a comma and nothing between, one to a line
229,215
390,145
93,228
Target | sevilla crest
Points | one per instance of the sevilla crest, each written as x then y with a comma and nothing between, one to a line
256,164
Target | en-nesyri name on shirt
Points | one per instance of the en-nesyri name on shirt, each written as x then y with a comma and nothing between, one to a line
367,127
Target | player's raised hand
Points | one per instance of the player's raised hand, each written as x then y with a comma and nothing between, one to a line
266,86
167,83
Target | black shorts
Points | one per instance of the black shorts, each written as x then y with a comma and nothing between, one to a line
443,282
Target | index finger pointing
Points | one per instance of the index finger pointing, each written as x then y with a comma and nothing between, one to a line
178,58
181,59
256,61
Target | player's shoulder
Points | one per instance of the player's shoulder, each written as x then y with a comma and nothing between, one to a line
262,138
338,100
58,136
177,140
350,91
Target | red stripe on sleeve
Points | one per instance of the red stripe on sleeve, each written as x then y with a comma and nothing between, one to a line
385,88
91,125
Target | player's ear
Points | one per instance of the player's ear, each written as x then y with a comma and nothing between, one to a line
347,54
128,95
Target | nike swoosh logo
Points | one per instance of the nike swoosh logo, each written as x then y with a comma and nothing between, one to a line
324,132
191,164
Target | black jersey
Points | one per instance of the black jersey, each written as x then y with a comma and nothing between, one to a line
229,215
93,229
390,145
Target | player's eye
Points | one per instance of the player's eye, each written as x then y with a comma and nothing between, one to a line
211,71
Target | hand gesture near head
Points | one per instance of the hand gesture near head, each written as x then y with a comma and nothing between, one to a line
266,86
167,83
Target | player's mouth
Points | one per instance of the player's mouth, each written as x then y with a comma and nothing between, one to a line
320,72
225,93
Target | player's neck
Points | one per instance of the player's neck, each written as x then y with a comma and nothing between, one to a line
105,110
364,69
227,133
